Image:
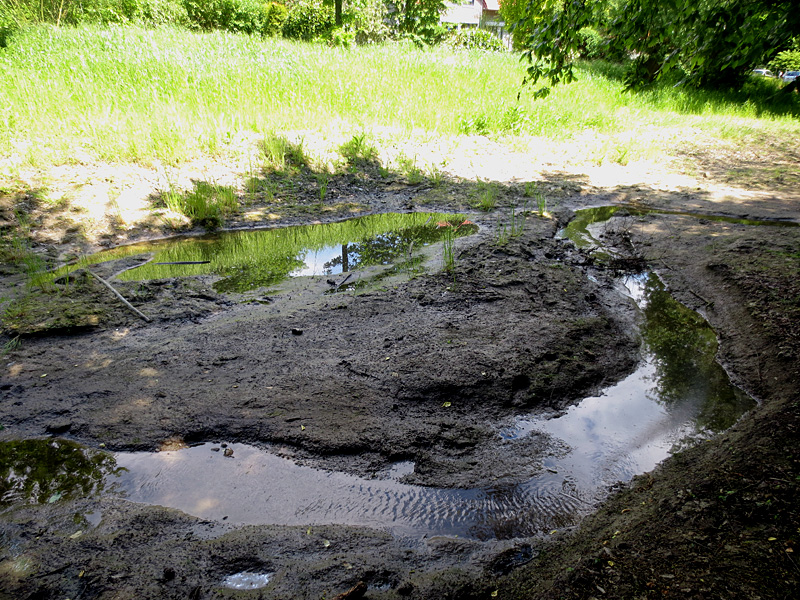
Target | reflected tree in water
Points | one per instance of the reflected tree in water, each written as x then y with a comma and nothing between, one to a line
683,348
40,471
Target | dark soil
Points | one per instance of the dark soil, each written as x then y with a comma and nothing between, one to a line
426,370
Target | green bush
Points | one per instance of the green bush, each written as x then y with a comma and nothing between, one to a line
8,26
592,44
274,18
418,21
238,16
6,31
162,12
788,60
342,37
96,11
367,19
308,20
474,39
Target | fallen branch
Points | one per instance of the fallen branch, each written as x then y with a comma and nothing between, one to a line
707,302
117,294
342,282
183,262
353,593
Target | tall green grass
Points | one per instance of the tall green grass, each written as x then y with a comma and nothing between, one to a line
146,95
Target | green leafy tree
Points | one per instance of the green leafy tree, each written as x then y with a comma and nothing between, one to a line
367,19
418,19
514,14
708,43
308,20
788,60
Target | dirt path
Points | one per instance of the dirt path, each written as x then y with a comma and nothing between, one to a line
430,371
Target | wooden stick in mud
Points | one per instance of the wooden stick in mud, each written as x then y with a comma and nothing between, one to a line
353,593
118,295
349,275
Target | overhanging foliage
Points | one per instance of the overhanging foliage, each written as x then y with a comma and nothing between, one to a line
711,43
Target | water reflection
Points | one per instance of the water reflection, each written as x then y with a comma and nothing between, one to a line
582,230
247,260
677,395
256,487
683,347
48,470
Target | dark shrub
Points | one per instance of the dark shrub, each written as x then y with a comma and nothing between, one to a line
308,20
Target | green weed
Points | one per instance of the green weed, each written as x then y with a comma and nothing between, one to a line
283,155
533,191
621,157
409,168
517,223
486,196
435,175
13,344
358,150
206,205
323,179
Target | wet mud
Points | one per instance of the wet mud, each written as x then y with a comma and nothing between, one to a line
430,370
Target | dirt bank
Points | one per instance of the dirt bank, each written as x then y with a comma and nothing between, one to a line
427,370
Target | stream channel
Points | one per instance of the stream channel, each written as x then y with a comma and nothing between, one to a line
677,395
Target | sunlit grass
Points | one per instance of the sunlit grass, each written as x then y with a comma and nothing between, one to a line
168,95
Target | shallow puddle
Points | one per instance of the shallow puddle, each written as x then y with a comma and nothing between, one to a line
250,259
246,580
257,487
678,395
584,229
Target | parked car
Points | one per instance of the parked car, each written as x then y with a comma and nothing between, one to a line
763,73
790,76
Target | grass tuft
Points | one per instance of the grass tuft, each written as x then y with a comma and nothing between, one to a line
282,155
206,205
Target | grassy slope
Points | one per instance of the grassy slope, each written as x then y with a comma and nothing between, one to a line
132,94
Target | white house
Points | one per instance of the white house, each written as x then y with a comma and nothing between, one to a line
477,13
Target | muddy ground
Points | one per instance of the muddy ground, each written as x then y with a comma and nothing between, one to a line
427,370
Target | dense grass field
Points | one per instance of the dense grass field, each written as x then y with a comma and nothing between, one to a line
141,95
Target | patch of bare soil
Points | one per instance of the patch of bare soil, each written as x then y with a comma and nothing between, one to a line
427,370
